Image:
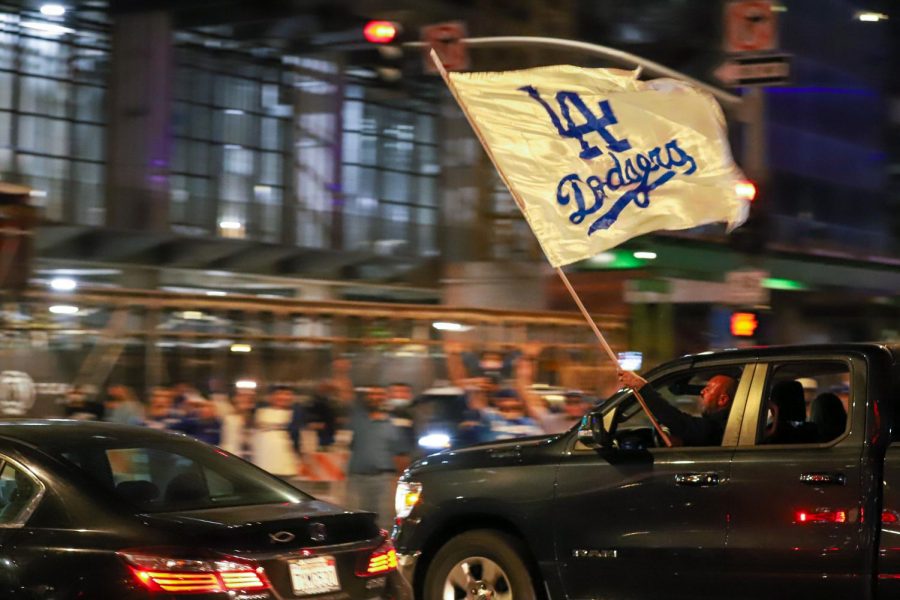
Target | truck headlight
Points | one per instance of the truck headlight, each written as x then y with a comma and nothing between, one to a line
407,496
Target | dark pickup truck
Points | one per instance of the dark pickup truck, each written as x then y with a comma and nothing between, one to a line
606,511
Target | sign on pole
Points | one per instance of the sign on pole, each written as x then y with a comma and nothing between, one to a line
743,71
446,39
750,26
751,41
745,287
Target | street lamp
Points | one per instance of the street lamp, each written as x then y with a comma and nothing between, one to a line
53,10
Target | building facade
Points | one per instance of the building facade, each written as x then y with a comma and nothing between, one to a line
196,146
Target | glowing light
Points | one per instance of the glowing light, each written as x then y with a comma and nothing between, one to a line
434,441
604,258
406,497
63,284
380,32
245,384
53,10
870,17
644,255
450,326
743,324
821,516
775,283
233,225
64,309
241,348
745,190
48,28
631,361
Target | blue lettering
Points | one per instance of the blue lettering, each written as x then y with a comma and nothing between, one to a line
683,157
569,100
572,184
635,172
639,195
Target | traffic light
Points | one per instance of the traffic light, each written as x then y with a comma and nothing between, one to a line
383,54
17,221
381,32
744,324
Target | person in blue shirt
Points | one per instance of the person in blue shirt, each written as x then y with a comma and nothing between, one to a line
508,420
378,454
160,413
201,422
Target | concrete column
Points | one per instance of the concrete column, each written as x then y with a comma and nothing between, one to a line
140,143
316,152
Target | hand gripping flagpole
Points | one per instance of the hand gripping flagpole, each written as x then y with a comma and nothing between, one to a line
603,343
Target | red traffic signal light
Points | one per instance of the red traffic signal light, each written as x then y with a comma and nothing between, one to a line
745,190
743,324
381,32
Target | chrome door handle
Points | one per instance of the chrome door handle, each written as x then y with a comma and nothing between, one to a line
697,479
823,478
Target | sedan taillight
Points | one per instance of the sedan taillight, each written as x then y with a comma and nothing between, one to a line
381,561
167,570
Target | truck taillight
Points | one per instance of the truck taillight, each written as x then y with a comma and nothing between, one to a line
170,571
820,516
381,561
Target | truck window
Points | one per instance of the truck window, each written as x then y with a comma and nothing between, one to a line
805,402
682,391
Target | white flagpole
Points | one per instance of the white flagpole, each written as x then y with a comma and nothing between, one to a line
603,343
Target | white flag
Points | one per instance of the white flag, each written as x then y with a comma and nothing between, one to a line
596,157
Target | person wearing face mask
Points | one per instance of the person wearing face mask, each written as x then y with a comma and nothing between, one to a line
508,419
462,365
378,454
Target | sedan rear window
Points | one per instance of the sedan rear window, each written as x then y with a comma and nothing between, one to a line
172,475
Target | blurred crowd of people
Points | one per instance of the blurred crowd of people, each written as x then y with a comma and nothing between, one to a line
268,428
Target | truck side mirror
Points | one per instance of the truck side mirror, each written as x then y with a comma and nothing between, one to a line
592,433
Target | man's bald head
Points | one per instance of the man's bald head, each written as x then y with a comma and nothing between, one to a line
718,393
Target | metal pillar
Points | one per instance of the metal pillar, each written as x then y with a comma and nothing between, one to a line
139,148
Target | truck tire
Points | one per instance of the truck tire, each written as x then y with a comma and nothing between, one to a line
479,565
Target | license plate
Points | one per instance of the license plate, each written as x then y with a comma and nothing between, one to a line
311,576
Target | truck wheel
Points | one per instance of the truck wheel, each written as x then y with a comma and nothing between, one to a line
479,565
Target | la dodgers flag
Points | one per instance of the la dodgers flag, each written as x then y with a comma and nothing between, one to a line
595,157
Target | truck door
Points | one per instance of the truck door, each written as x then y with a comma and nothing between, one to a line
643,522
888,389
798,513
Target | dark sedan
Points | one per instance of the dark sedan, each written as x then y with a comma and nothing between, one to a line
99,511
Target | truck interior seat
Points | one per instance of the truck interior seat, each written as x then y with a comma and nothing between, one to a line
789,407
827,412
